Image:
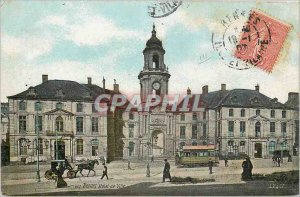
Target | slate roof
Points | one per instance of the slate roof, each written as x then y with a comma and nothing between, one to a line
293,102
71,90
235,98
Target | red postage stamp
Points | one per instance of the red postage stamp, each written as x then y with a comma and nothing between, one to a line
261,40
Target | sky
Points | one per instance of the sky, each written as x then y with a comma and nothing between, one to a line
73,40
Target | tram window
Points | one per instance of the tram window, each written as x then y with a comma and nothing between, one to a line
212,153
201,154
205,153
194,154
187,154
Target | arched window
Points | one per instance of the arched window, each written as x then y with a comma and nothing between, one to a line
23,146
257,112
131,148
59,124
242,112
22,105
38,106
155,62
271,147
257,129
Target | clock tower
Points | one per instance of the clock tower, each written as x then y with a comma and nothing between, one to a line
154,77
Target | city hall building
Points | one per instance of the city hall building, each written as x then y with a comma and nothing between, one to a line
60,118
238,122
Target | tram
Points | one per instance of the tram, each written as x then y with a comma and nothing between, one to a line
196,155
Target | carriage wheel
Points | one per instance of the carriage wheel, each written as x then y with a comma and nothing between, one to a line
71,174
48,174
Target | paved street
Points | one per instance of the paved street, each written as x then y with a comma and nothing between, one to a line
20,180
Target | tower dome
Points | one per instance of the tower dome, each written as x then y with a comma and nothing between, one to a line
154,42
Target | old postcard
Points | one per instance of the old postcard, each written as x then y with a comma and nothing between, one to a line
159,98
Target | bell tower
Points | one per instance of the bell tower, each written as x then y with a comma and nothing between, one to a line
154,77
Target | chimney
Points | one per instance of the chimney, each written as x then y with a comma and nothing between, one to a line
116,86
89,80
293,96
188,91
103,81
223,87
257,88
44,78
205,89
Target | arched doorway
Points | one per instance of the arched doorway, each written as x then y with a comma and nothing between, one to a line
157,143
60,151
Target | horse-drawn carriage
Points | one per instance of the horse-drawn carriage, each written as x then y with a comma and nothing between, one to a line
59,167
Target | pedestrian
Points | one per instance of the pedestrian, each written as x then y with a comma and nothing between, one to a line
166,173
210,165
290,158
152,158
250,167
226,162
245,169
274,161
104,172
67,164
278,161
59,172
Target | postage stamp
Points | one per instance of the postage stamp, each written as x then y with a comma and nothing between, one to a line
261,40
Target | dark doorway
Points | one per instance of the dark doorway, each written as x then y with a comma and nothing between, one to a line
258,150
60,150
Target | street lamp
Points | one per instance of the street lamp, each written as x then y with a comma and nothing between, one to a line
148,147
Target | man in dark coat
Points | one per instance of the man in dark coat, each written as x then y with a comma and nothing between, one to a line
104,172
226,162
166,173
210,165
250,167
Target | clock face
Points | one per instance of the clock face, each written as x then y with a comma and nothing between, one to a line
156,85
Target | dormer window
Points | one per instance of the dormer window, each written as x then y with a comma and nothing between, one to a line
59,105
22,106
257,112
233,99
31,91
59,93
254,100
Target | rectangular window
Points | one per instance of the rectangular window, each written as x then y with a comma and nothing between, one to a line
257,112
59,105
182,117
94,108
79,125
22,106
272,129
242,147
38,106
194,131
22,124
283,129
94,150
38,124
283,114
230,128
230,112
194,116
272,113
204,115
242,112
242,128
204,129
79,147
23,147
40,141
182,132
94,124
79,107
131,130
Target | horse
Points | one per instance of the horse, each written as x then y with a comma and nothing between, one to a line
87,166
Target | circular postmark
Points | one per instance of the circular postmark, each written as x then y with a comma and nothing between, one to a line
163,9
242,39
